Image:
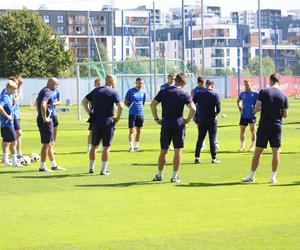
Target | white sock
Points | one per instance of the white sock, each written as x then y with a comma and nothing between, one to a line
92,164
19,152
252,174
252,144
104,166
136,144
197,158
274,174
131,144
242,144
159,173
89,146
5,157
53,164
14,159
43,165
174,175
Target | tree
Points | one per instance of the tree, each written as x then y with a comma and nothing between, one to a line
28,46
208,72
287,72
297,65
268,66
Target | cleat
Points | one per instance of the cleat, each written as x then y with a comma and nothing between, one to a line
19,156
215,161
157,178
47,170
197,161
176,180
57,168
242,149
131,150
251,149
104,173
91,171
273,180
248,179
136,149
7,164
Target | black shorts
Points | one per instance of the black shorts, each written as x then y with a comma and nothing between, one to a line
17,124
8,134
246,121
135,121
268,133
55,121
103,130
172,131
46,131
90,126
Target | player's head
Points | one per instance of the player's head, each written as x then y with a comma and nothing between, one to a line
209,84
110,81
97,83
17,79
180,80
171,78
200,82
247,85
52,83
11,87
139,83
274,78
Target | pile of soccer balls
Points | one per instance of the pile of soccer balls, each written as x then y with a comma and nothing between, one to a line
26,160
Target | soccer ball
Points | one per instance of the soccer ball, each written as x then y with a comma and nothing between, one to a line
25,160
34,157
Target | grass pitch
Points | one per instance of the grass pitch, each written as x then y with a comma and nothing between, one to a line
210,209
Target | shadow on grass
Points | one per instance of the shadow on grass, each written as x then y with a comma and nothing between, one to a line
72,153
291,123
17,171
124,184
50,176
127,151
295,183
206,184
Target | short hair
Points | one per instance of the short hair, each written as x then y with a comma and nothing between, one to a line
181,77
109,78
138,79
275,78
17,79
97,80
200,79
209,82
171,74
11,84
247,81
52,79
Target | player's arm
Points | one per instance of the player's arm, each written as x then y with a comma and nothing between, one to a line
153,106
126,102
257,106
238,101
192,93
285,113
44,107
86,105
192,111
120,107
285,108
57,103
218,104
7,116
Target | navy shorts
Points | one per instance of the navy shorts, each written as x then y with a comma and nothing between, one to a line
172,131
246,121
55,121
8,134
46,131
90,126
103,130
268,133
135,121
17,124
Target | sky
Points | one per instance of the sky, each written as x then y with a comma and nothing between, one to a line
226,5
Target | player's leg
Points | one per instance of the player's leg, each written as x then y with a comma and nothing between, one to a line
275,143
178,141
17,126
176,164
253,137
139,123
89,140
55,126
131,126
44,154
5,147
96,134
11,137
243,124
202,130
212,132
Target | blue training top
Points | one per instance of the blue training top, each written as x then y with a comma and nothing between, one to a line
6,103
55,97
249,99
136,99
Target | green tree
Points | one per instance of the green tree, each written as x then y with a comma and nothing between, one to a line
29,47
209,72
297,65
287,72
268,66
226,72
246,72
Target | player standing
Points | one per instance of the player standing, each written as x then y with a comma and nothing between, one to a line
102,100
56,102
135,100
172,99
273,104
170,81
248,98
45,108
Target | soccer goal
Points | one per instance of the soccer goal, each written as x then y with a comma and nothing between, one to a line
153,72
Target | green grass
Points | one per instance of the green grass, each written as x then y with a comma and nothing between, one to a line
210,209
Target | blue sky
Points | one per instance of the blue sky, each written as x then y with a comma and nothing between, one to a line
227,5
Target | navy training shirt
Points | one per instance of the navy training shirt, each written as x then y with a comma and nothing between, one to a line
273,102
209,104
45,95
248,98
103,99
172,100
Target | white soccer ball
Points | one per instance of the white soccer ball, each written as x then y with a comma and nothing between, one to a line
34,157
224,116
25,160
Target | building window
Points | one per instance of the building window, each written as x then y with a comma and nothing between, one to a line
127,41
228,62
46,18
60,29
78,29
60,19
102,30
228,52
